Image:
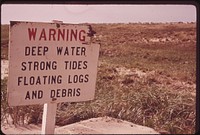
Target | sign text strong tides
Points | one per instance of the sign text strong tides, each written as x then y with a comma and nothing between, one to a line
51,62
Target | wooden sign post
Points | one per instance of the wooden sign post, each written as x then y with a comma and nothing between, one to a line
48,119
49,114
51,63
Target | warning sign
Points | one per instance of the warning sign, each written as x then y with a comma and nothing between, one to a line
51,62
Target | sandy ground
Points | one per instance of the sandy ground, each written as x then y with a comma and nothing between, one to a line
101,125
4,69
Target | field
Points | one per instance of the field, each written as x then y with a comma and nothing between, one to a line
146,75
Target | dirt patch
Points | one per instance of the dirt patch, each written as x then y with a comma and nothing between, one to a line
155,77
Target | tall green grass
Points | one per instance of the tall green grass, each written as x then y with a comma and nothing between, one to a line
142,102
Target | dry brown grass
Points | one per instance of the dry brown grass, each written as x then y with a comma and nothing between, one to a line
146,75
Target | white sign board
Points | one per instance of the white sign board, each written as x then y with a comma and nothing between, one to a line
51,62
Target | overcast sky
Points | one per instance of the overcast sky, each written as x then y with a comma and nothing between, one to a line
97,13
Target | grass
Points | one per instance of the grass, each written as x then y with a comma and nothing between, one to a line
4,41
140,102
162,97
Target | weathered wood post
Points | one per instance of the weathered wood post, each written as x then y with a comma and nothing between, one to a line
48,118
49,112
